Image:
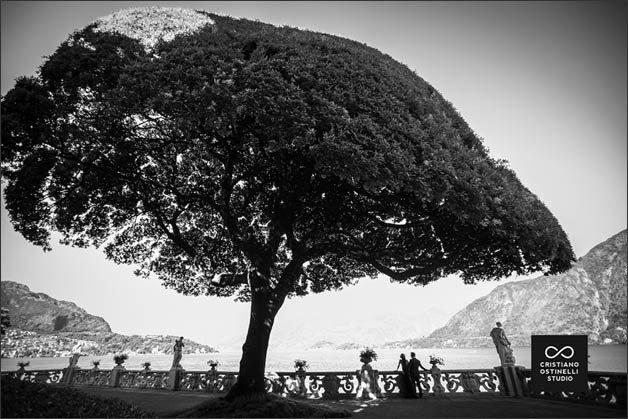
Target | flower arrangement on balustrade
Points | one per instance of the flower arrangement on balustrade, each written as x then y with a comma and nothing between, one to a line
436,360
96,363
120,358
301,364
367,355
22,365
213,363
146,365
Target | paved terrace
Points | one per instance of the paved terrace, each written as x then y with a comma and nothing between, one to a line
171,403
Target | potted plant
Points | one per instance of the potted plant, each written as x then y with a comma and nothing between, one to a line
96,363
436,360
212,376
146,366
367,355
213,364
23,365
367,382
119,359
435,371
301,365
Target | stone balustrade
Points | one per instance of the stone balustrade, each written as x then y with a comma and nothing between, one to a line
91,377
604,387
37,376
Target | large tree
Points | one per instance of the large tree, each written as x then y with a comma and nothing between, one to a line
230,157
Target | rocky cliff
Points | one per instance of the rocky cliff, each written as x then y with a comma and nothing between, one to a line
40,313
588,299
43,326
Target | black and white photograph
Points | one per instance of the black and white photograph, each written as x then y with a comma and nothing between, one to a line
365,209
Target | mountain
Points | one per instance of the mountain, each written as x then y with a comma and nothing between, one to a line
38,312
356,331
323,344
19,343
590,299
44,326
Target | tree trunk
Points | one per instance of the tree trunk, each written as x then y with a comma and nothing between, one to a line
264,307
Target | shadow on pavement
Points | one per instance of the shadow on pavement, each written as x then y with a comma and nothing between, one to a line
170,403
474,407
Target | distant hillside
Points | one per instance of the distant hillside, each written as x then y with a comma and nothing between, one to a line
44,326
38,312
350,332
323,344
20,343
588,299
327,345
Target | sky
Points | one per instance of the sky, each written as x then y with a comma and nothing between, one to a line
543,83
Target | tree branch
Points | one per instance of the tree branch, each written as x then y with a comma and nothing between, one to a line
291,273
175,234
401,275
228,279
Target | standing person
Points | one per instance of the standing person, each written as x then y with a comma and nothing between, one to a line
502,345
415,376
178,353
406,389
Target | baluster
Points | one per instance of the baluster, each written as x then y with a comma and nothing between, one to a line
331,384
470,382
618,388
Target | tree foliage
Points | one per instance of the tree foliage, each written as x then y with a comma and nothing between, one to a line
307,158
5,321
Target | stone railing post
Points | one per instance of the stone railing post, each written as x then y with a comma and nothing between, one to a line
511,380
212,379
300,379
174,378
368,386
331,384
438,387
618,386
116,373
68,375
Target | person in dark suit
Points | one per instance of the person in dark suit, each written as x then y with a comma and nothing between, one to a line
415,376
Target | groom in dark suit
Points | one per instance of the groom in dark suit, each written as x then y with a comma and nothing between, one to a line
413,369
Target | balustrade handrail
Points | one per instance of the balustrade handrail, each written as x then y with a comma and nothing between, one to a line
383,371
605,387
608,388
605,373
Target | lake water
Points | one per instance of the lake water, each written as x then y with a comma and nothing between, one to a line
609,358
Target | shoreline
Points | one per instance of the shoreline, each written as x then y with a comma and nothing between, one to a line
609,358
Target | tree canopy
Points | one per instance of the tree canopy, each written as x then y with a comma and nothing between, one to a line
230,157
235,145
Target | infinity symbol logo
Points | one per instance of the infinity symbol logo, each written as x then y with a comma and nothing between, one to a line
557,352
